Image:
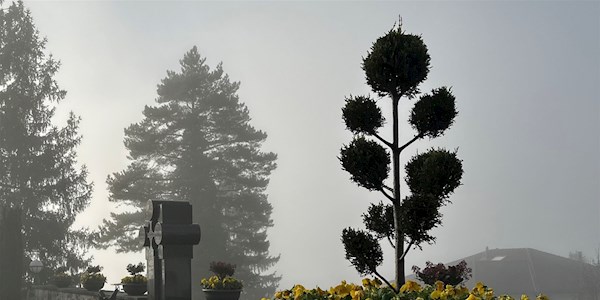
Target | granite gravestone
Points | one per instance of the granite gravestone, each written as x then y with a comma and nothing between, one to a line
169,238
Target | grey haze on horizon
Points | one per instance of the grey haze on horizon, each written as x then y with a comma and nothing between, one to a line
526,76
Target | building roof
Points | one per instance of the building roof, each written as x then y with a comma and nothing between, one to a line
529,271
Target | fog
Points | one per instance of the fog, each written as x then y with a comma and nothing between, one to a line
525,75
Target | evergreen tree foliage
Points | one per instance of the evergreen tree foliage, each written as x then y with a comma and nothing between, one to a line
38,168
394,68
197,145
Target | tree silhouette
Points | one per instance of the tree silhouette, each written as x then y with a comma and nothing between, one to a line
395,66
38,168
197,145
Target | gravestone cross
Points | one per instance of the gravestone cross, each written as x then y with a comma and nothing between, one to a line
169,238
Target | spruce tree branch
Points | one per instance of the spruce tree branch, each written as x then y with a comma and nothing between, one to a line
418,136
2,185
407,249
383,140
385,280
386,195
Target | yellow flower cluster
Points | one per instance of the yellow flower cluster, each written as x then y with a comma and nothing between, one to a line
371,289
216,283
343,291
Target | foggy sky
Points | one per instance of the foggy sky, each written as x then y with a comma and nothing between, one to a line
525,75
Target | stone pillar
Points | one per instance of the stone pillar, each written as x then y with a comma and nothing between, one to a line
170,237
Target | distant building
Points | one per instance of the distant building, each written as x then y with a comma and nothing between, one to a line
529,271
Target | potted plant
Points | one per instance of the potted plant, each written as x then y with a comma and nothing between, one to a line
60,278
92,279
136,283
221,286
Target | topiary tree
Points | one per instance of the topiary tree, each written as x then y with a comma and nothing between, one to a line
397,63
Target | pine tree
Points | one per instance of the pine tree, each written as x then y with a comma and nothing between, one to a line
196,145
394,68
38,171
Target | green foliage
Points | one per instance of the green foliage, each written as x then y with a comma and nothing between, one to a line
367,162
60,278
38,168
397,64
92,273
93,269
436,172
362,115
138,278
196,144
379,219
135,269
419,213
134,274
222,269
362,250
434,113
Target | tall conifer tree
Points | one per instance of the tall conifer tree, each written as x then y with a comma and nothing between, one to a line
38,171
196,144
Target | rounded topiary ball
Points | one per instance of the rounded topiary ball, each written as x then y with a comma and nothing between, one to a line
434,113
362,115
436,172
367,162
396,64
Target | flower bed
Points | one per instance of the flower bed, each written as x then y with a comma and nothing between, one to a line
372,289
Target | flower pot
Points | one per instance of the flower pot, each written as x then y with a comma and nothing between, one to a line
93,285
222,294
61,282
135,289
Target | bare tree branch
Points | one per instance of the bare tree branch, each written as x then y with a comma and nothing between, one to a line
396,290
418,136
383,140
386,195
407,249
391,242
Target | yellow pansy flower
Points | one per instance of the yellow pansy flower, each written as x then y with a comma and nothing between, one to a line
298,290
357,294
366,282
410,286
524,297
321,292
489,294
479,289
450,291
473,297
541,297
376,282
462,290
439,286
278,295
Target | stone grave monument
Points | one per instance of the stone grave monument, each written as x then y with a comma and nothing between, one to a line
169,238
